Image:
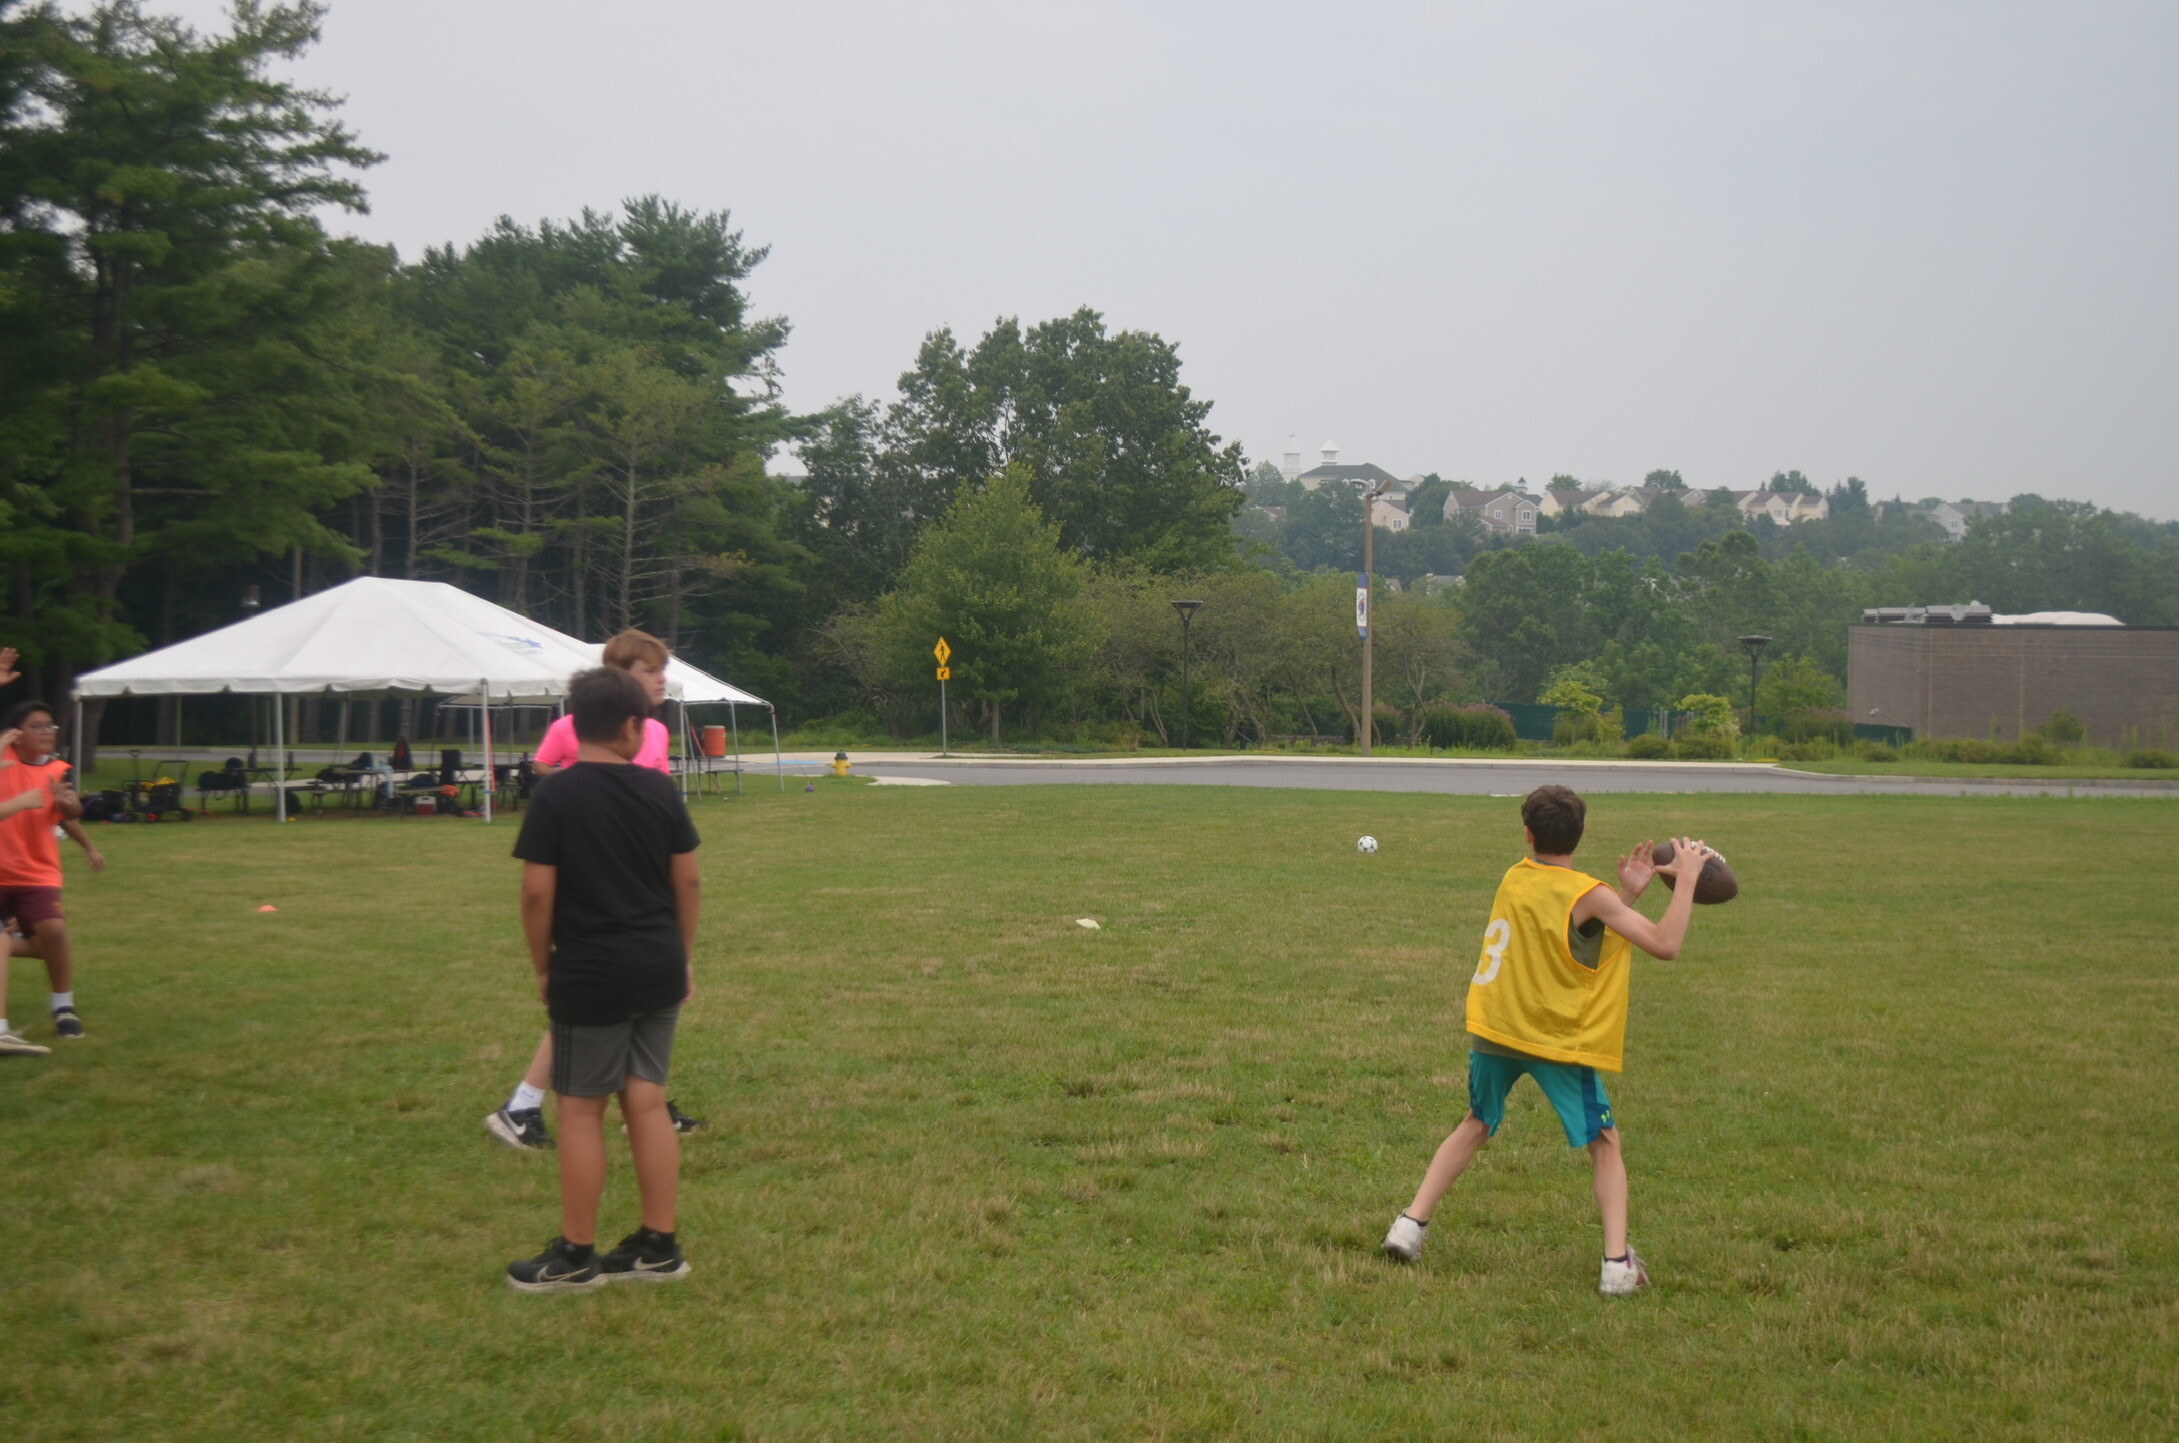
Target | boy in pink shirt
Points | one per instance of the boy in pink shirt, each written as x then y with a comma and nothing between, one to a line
521,1123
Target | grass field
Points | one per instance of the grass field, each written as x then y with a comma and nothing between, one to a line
1852,766
1903,1127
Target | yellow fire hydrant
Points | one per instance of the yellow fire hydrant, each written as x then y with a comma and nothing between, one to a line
840,764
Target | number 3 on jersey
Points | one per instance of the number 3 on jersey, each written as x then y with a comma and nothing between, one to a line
1495,938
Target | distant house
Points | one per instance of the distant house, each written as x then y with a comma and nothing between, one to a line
1954,516
1365,476
1390,512
1508,512
1615,503
1558,500
1783,507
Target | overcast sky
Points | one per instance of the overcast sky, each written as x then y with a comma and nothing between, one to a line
1932,245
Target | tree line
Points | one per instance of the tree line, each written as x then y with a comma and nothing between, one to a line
204,389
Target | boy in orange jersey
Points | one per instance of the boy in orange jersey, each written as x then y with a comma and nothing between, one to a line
1549,999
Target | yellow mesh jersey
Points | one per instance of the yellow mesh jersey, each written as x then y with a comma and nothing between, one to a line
1529,993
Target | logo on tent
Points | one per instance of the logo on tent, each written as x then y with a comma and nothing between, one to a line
519,645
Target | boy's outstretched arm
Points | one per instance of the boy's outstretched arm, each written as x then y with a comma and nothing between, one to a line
1663,938
688,895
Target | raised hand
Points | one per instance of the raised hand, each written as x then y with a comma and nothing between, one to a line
1636,869
1688,858
8,672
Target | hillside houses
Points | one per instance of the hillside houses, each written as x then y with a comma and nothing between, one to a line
1506,512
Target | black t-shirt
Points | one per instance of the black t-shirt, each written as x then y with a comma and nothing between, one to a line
613,831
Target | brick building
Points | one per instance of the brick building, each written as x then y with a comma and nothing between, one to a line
1960,672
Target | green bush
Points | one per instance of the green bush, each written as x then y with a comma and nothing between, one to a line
1604,729
1822,749
2035,750
1868,751
1648,747
1695,746
2063,728
1816,725
1467,728
2150,759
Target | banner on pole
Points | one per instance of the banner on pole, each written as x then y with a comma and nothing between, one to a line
1361,604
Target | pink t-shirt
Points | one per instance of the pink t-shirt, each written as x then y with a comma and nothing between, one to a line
560,749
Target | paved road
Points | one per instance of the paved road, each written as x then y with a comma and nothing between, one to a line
1471,778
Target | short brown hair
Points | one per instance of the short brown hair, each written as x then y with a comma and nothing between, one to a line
1554,815
632,646
602,699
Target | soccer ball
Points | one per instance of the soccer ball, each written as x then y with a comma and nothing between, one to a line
1366,846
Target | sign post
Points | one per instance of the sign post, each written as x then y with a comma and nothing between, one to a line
944,653
1361,611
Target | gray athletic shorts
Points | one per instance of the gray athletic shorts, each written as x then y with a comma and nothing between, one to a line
598,1061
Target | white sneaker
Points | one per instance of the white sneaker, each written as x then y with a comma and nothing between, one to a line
1406,1238
13,1044
1619,1280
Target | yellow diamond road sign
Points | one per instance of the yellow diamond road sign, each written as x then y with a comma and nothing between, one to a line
943,652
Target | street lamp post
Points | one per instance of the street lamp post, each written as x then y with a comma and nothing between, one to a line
1368,587
1755,645
1187,610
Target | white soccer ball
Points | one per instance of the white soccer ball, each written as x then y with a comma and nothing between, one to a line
1366,846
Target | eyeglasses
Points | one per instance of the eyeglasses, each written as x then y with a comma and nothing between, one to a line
41,726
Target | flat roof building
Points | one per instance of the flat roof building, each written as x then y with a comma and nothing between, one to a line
1964,671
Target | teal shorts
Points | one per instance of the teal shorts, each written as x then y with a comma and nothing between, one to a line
1576,1093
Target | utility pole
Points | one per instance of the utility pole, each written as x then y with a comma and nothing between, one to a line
1361,612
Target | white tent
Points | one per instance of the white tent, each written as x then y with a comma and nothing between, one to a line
373,636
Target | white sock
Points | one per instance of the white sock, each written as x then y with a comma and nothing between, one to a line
3,1024
63,999
526,1098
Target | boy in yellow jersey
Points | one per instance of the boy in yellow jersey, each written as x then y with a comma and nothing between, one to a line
1549,999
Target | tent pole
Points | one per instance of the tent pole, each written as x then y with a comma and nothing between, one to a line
75,747
733,720
279,758
779,763
490,777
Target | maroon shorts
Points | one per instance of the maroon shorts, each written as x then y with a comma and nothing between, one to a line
26,907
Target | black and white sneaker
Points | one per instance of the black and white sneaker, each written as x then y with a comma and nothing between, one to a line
66,1023
14,1044
524,1129
645,1257
682,1122
560,1267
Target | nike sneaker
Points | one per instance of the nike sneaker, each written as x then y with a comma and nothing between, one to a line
682,1122
14,1044
645,1257
1619,1279
66,1023
559,1268
524,1129
1406,1238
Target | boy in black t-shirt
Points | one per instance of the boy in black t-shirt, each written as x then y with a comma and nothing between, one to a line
609,904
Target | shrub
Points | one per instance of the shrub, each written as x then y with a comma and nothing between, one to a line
1833,726
1470,728
1593,729
2036,751
1702,746
1822,749
1439,726
1486,728
1390,724
2150,759
2063,728
1868,751
1648,747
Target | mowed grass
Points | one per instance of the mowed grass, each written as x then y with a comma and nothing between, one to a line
1902,1125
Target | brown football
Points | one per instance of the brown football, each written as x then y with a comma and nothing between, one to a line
1716,884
